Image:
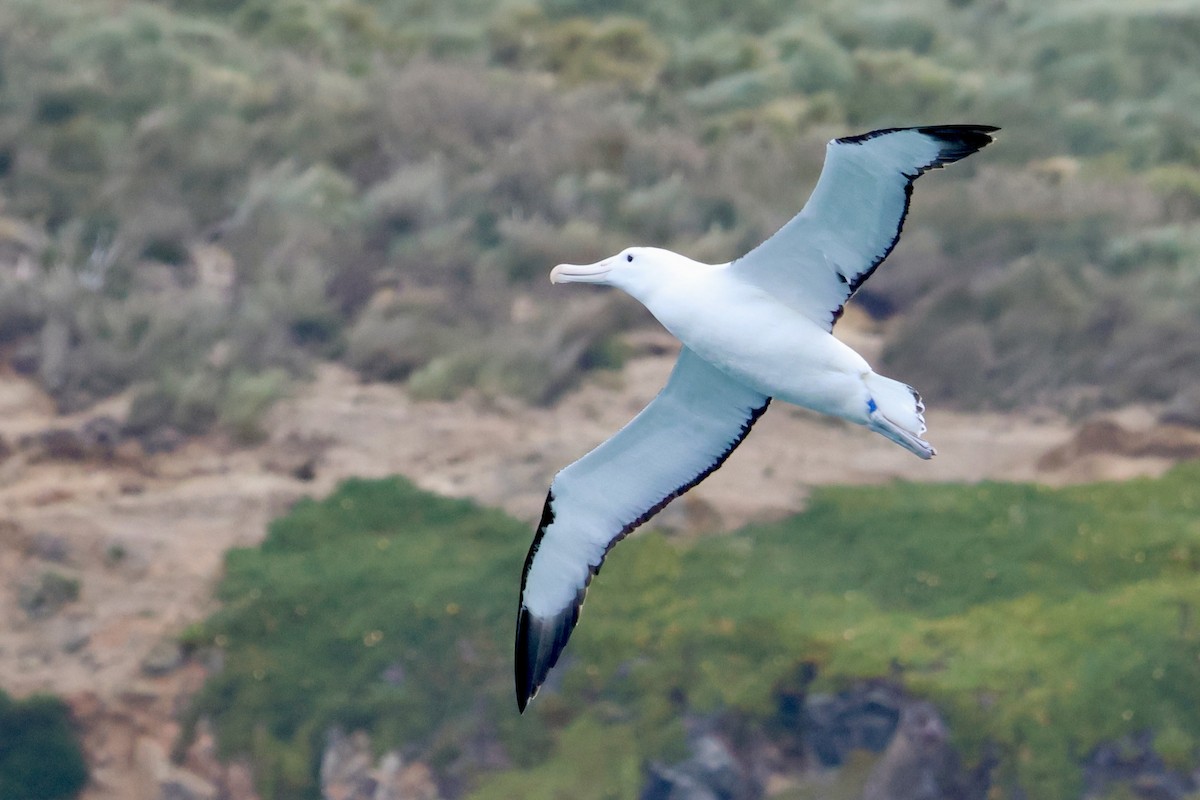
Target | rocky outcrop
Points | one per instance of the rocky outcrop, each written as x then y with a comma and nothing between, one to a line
1132,762
129,749
1108,437
296,455
814,734
233,780
97,439
920,764
863,718
712,772
350,771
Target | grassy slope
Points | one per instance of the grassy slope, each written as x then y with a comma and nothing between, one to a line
333,148
1045,620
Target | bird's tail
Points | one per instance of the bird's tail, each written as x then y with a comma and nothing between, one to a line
898,414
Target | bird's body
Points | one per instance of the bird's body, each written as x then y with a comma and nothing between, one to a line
757,328
760,341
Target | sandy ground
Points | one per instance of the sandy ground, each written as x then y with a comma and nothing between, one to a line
505,454
145,535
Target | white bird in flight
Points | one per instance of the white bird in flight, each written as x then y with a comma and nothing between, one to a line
757,328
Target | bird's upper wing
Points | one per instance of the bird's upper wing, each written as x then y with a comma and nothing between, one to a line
684,434
852,221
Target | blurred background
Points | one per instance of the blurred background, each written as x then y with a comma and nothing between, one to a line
252,249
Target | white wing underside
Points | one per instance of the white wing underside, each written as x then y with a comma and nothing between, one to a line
850,224
684,434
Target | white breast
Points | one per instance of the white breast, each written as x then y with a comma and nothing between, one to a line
749,335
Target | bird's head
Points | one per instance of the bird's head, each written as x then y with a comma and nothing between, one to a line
634,269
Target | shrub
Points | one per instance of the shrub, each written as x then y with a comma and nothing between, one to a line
149,410
330,150
447,376
197,396
742,90
1180,187
813,60
246,400
722,53
900,85
40,753
46,594
391,346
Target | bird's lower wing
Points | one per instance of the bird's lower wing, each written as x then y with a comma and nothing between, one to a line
685,433
852,221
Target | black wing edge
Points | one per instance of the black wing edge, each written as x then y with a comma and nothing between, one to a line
958,142
539,643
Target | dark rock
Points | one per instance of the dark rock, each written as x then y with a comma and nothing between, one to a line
162,440
1133,762
149,411
76,636
101,436
394,674
920,764
298,456
1163,786
1105,436
163,658
43,596
715,762
786,727
53,547
665,783
26,358
349,772
182,785
860,718
175,783
1184,409
62,444
713,771
306,471
1123,759
346,766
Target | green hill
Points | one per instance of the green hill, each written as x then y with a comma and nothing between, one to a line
200,197
1043,621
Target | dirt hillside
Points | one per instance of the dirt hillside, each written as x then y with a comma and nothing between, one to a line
142,536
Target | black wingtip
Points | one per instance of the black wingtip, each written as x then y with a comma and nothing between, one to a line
959,141
539,644
944,132
527,684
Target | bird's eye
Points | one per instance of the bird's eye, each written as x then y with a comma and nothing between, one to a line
629,257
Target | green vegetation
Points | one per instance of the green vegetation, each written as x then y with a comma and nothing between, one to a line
194,192
40,754
47,593
1043,620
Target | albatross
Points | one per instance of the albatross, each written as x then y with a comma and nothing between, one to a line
755,329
